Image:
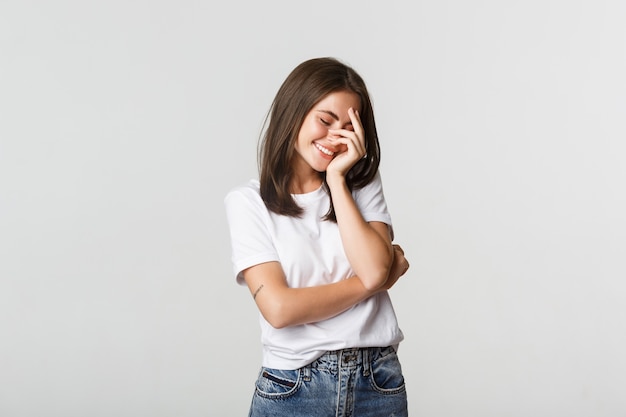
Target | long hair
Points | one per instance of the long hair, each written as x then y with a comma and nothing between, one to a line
305,86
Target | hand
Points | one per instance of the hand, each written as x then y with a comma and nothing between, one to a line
398,268
354,146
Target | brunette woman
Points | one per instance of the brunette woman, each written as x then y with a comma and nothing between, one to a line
312,240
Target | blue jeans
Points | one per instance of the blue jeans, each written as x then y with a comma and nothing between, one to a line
365,382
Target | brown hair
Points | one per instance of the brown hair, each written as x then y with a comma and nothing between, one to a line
306,85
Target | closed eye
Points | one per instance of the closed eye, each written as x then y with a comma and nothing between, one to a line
324,122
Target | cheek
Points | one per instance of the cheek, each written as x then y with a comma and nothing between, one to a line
315,130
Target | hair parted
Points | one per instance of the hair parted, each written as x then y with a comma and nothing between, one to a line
306,85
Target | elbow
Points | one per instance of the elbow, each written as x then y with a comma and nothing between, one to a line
277,316
277,322
277,307
375,279
376,275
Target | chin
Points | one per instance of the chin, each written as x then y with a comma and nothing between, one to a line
321,167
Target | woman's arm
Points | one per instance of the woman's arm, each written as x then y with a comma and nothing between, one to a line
283,306
367,245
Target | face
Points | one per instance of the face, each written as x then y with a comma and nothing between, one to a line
315,146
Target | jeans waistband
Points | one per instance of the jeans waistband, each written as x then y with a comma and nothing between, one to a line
351,357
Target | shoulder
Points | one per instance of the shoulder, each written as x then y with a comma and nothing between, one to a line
245,198
248,191
375,186
371,198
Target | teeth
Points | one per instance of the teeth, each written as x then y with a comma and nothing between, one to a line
324,150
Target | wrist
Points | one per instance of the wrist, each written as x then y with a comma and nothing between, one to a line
334,179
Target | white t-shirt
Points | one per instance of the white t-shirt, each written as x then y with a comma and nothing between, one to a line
310,252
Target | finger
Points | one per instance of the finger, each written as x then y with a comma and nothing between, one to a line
357,125
355,118
352,144
352,136
398,248
343,132
405,267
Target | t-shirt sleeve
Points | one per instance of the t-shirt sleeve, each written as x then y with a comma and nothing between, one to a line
371,202
251,242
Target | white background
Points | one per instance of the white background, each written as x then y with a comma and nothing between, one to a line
124,123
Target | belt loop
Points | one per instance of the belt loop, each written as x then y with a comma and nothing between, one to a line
366,361
306,373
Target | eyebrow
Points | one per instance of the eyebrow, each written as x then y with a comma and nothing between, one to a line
333,115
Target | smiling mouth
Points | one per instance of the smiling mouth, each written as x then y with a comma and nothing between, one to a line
324,150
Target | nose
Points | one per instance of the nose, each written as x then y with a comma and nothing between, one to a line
332,137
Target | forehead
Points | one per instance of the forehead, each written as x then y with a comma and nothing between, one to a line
339,102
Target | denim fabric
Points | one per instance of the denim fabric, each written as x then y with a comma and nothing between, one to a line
364,382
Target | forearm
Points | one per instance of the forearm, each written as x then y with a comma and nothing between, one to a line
368,250
284,306
294,306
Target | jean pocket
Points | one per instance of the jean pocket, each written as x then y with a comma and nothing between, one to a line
386,376
278,383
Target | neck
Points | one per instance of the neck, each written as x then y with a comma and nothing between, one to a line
309,184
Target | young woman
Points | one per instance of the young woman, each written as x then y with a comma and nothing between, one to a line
312,239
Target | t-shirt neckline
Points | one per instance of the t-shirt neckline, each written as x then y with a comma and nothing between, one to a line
312,195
